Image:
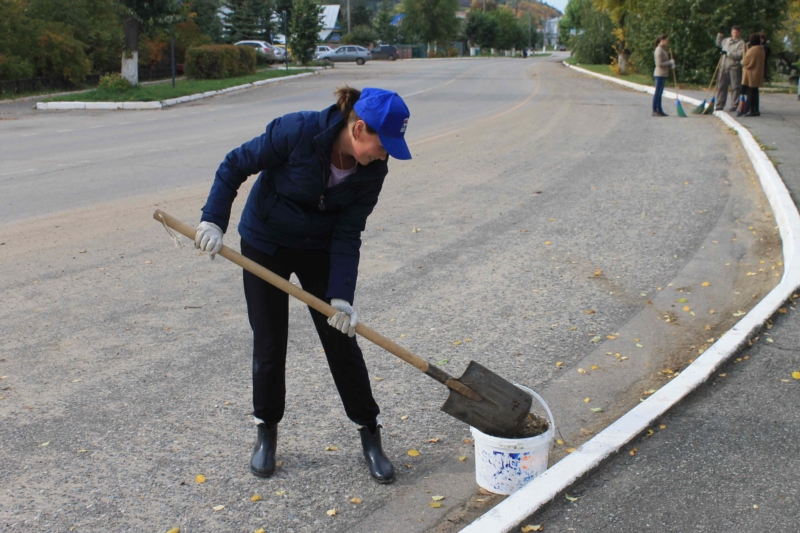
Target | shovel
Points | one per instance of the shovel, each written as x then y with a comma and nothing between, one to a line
479,397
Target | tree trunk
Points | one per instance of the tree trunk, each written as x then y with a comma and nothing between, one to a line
130,54
621,59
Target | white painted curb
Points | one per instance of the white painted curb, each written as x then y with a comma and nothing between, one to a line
51,106
514,510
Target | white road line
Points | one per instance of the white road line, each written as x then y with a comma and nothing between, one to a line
17,172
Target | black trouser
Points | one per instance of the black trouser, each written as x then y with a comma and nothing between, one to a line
752,98
268,310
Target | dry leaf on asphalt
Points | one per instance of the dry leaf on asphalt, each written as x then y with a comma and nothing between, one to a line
434,440
598,273
174,530
259,530
589,311
570,498
596,338
705,284
404,417
570,450
280,492
581,371
331,448
462,458
484,492
595,367
255,498
331,512
796,374
633,452
596,409
200,478
413,453
437,498
435,505
218,507
587,400
45,444
532,527
356,501
560,363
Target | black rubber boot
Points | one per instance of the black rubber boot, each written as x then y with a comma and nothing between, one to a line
380,467
262,464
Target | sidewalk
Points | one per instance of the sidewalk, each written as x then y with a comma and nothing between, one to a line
727,459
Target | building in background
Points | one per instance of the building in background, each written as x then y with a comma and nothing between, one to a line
551,31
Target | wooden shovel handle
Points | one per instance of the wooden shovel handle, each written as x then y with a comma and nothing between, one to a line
326,309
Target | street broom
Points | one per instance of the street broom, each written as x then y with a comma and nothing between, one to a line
702,107
681,112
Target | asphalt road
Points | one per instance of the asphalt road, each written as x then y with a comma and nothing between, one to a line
724,460
543,213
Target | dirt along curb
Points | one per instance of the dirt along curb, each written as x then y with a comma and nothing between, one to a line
517,508
61,106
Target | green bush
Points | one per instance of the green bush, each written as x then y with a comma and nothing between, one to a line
114,82
14,68
213,62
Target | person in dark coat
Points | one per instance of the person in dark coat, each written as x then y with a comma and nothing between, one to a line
320,177
753,75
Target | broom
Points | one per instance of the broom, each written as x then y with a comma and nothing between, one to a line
702,107
681,112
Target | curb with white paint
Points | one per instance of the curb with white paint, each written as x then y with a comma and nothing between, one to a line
52,106
514,510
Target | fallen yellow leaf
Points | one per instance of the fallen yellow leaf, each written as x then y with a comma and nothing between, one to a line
587,400
200,478
404,417
259,530
570,450
560,442
434,440
547,243
686,308
331,448
796,374
45,444
174,530
589,311
705,284
531,527
598,273
570,498
581,371
331,512
662,426
456,343
280,492
218,507
437,498
435,505
413,453
462,458
484,492
356,501
255,498
595,367
633,452
560,363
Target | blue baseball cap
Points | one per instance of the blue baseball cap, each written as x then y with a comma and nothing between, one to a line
386,113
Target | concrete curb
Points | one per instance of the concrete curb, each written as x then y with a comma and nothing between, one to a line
514,510
53,106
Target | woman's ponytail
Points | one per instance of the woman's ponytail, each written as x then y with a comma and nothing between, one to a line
346,98
659,39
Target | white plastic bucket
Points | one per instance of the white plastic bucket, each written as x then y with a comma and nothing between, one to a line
503,466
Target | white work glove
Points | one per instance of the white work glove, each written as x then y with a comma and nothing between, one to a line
208,238
671,63
346,319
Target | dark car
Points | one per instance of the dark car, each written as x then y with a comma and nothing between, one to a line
384,52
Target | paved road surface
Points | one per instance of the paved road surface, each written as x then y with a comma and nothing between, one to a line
552,211
725,460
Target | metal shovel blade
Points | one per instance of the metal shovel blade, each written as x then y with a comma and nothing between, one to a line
502,410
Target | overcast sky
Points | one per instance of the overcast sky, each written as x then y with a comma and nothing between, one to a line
558,4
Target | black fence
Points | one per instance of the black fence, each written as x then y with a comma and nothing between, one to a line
11,88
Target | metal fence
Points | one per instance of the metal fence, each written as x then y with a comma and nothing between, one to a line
11,88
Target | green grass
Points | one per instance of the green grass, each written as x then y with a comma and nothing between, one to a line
164,91
633,78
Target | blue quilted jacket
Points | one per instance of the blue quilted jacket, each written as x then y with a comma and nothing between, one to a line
289,205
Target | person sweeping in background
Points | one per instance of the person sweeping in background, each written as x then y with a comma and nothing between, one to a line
320,177
753,74
661,72
731,73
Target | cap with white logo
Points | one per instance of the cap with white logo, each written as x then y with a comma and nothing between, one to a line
385,112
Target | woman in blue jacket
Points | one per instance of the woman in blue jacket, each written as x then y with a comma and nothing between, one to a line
320,177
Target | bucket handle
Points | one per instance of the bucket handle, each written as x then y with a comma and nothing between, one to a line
546,408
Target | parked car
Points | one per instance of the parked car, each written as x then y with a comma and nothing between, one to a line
359,54
384,52
272,53
562,48
319,50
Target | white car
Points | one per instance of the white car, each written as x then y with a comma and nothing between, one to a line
319,50
359,54
273,53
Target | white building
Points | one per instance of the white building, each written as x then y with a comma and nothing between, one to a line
551,31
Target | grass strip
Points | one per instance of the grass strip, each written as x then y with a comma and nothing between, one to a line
164,91
633,78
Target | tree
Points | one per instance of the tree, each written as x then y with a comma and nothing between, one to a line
361,15
362,35
692,27
242,21
136,16
387,33
207,19
509,33
594,40
306,22
481,29
430,21
618,11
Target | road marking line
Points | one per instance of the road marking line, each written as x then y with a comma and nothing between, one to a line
17,172
443,84
474,124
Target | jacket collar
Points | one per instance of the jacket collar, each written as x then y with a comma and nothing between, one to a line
330,124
